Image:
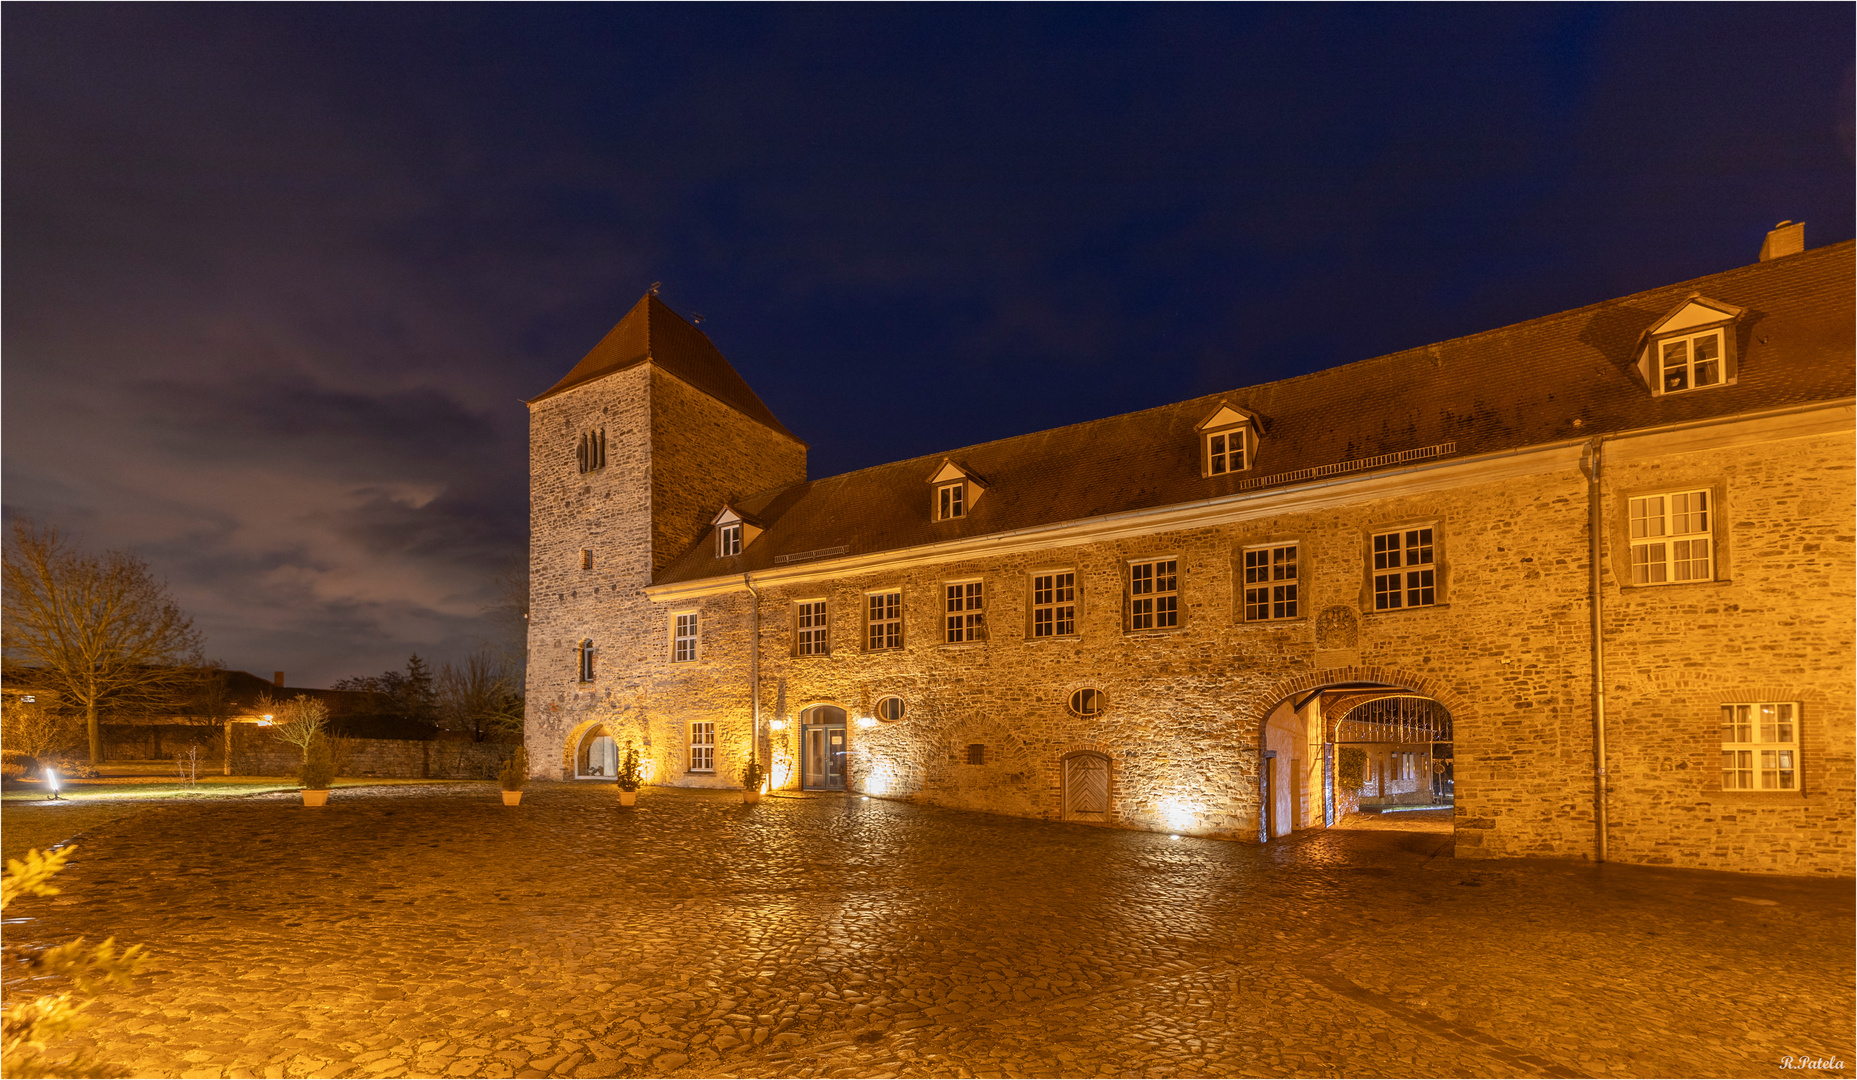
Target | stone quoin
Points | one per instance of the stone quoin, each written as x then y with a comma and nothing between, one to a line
1176,619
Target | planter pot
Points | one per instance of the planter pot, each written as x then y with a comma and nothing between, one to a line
512,798
750,796
315,798
628,798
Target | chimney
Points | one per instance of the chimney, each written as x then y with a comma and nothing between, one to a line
1786,238
278,678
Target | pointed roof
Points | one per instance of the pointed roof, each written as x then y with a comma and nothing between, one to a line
652,332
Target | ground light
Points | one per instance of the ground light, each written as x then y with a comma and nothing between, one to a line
51,777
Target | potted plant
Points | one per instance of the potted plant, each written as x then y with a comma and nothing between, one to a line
752,775
513,775
317,771
629,776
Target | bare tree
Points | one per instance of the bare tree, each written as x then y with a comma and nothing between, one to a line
477,697
38,729
100,631
299,721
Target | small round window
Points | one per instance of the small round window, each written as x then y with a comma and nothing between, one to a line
1087,702
890,708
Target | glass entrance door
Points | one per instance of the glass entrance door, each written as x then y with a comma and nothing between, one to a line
822,749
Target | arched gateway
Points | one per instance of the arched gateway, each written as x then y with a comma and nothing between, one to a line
1396,725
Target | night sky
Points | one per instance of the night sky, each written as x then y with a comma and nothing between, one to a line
278,277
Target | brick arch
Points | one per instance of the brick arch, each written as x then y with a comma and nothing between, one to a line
1427,685
620,726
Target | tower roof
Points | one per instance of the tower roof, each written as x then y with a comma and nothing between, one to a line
652,332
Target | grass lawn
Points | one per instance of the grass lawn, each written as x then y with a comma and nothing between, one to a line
29,818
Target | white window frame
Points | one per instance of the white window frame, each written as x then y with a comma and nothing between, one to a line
703,746
812,628
1054,603
1690,367
1404,565
729,540
951,500
686,637
1227,451
1151,607
883,620
585,660
964,611
1272,582
1760,746
1671,536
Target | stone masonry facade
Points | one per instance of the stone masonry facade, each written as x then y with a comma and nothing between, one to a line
1507,647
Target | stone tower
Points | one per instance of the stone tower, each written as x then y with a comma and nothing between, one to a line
631,455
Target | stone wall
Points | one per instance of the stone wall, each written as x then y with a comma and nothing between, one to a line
254,752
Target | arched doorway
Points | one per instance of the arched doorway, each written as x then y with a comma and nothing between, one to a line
1086,786
597,755
1400,722
822,748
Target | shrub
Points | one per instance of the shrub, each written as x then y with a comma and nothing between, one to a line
17,763
628,769
1350,768
515,772
318,764
752,775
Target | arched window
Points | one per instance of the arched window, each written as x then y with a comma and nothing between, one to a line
597,756
585,654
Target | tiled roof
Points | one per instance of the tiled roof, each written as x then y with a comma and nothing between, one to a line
1521,385
651,331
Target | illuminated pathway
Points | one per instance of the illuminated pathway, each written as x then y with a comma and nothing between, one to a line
433,932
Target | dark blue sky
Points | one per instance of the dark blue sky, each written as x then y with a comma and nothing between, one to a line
278,276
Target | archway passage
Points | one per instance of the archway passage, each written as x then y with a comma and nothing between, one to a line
1331,750
1404,743
597,755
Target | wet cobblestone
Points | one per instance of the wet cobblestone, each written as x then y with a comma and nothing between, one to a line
433,932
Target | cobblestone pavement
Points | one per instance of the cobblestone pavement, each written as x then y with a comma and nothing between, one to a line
434,932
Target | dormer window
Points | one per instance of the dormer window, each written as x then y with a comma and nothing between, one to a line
1227,441
592,452
1690,362
955,492
1692,348
733,532
1225,452
950,501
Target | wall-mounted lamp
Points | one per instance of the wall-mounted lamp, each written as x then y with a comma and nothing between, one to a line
867,721
777,725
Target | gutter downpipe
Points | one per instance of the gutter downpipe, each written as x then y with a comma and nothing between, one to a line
1595,527
754,665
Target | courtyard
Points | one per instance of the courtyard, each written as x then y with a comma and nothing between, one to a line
427,930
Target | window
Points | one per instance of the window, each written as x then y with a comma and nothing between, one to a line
1760,746
950,501
1270,583
1154,598
1054,604
810,616
976,754
703,747
729,540
1086,703
683,637
883,621
1225,452
586,558
1670,538
1690,362
585,653
1404,573
890,708
966,613
592,452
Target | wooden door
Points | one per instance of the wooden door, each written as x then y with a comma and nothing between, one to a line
1086,787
